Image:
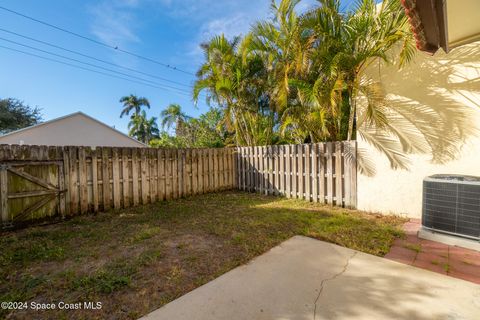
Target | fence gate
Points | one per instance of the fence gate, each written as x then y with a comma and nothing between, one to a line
31,190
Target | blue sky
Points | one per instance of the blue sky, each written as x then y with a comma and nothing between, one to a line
169,31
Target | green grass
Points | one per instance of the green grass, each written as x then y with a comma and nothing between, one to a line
138,259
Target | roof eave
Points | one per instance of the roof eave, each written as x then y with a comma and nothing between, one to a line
428,20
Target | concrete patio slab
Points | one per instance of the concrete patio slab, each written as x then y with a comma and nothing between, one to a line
309,279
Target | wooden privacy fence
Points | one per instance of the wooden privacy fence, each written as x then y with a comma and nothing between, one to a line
38,182
322,172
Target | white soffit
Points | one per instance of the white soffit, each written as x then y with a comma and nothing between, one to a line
463,18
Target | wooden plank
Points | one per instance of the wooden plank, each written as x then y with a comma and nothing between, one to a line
276,165
116,178
329,156
288,172
255,169
152,159
4,195
178,173
105,180
143,176
243,174
270,171
248,167
294,171
95,192
301,173
252,168
315,172
308,170
233,166
205,170
125,179
168,173
226,160
353,175
61,186
239,168
266,185
216,169
73,180
338,174
228,165
27,194
281,168
194,171
82,172
161,174
259,165
188,172
66,172
211,187
200,170
220,168
322,167
176,160
135,177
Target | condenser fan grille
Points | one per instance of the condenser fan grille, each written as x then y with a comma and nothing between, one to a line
452,204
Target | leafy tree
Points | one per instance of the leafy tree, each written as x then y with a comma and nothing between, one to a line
167,141
304,77
142,128
203,132
14,115
234,78
173,114
133,103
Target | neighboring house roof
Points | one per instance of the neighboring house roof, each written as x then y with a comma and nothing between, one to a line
77,129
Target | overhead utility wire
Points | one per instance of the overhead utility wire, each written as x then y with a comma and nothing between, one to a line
91,70
96,41
93,58
92,65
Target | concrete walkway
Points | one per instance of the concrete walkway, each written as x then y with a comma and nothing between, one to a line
309,279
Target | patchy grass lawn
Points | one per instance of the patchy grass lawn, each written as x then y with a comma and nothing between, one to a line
136,260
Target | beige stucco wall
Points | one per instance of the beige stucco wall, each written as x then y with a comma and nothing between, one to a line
76,130
442,79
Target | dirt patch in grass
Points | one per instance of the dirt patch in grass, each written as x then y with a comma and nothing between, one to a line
136,260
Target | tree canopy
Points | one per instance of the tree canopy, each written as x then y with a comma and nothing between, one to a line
14,115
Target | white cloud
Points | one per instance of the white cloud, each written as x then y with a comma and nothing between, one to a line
113,22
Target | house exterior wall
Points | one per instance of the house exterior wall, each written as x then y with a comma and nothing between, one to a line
75,130
452,79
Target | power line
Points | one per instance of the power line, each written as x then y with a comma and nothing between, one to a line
91,64
93,58
92,70
96,41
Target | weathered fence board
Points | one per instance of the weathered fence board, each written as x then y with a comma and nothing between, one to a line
322,172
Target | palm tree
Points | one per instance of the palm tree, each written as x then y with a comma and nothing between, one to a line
133,103
234,78
173,114
143,129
